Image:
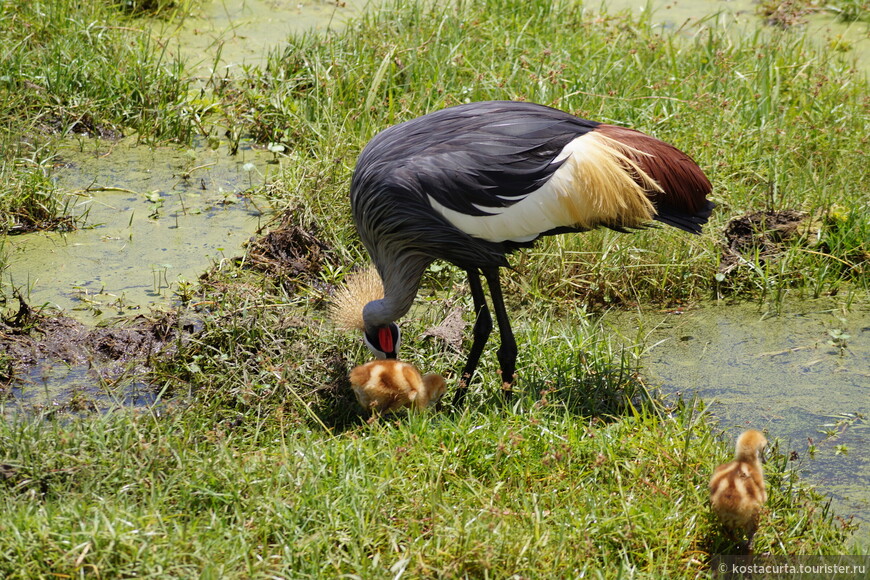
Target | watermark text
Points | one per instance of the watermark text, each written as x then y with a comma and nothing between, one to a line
798,567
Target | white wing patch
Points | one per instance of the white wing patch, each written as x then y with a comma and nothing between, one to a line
594,186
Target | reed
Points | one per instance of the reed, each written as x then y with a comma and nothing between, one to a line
778,122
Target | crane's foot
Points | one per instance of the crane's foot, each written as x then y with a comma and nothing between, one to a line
461,391
507,394
507,388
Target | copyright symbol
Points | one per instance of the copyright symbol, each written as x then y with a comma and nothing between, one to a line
723,567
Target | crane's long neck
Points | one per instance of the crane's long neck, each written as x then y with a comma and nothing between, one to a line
400,274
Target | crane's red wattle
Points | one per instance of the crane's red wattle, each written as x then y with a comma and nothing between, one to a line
385,337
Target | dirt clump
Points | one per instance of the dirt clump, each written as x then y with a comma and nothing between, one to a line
291,252
32,340
451,330
80,124
761,235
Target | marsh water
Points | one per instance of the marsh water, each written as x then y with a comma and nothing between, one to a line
158,217
223,36
154,218
740,17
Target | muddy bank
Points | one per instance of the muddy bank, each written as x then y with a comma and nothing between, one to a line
50,359
57,363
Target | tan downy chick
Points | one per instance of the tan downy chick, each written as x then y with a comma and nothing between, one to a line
737,490
385,386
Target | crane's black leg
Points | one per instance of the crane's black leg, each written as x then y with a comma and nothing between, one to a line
507,352
481,332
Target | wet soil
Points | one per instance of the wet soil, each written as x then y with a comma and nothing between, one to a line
72,342
33,348
451,331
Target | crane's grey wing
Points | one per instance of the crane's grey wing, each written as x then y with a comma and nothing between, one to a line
475,158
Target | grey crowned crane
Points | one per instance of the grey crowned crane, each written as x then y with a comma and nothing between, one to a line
472,183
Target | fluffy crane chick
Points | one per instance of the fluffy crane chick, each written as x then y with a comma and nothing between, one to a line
737,488
385,386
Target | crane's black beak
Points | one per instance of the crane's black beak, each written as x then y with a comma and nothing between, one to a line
384,341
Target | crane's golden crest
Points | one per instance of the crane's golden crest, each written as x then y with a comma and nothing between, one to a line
359,289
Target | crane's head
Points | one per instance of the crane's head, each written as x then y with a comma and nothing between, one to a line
383,341
750,446
358,305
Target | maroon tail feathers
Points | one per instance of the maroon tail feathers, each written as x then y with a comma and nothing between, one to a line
684,203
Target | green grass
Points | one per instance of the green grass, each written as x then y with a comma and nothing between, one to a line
29,200
76,69
258,464
541,493
777,123
72,68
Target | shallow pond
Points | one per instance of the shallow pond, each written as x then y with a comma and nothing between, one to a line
803,375
154,218
73,388
221,37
